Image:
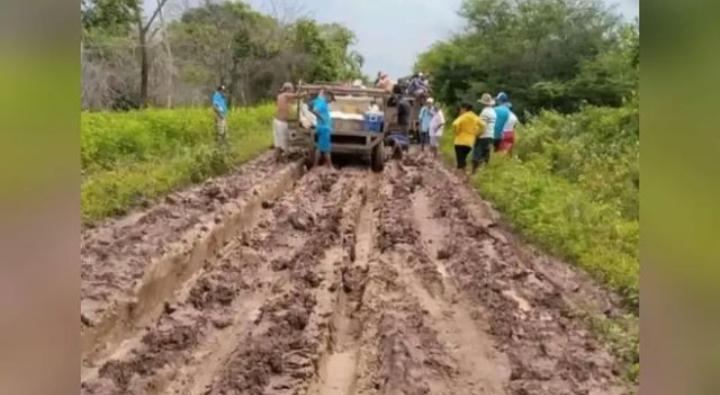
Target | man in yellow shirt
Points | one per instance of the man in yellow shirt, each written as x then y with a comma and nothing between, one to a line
466,127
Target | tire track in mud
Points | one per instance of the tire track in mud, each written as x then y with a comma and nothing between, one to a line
361,283
131,265
435,346
550,349
182,347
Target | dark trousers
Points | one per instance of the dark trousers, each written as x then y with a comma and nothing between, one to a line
481,150
461,154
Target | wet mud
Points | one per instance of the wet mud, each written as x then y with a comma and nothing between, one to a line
345,282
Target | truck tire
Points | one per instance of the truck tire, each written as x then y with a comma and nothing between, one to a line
377,159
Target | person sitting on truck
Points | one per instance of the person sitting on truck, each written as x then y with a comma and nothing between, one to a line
417,86
323,128
385,82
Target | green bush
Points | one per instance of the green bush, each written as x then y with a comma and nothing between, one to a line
572,187
128,158
566,220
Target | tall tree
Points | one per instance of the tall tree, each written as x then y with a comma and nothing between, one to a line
536,50
118,17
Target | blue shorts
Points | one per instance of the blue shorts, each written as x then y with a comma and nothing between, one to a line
323,140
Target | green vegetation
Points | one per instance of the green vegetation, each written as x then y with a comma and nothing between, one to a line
555,54
129,158
184,57
622,334
572,186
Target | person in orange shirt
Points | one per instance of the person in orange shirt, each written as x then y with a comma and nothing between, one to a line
466,128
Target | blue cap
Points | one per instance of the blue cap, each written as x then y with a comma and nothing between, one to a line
502,97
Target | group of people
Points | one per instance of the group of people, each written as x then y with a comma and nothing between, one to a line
492,130
320,109
432,124
417,85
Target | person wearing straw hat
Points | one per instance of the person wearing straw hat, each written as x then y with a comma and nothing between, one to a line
280,124
481,149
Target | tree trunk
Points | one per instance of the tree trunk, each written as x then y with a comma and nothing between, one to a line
144,66
144,69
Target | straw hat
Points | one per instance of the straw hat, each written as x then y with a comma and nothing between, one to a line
430,100
286,87
487,100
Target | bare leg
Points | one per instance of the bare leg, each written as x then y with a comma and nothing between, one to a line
329,160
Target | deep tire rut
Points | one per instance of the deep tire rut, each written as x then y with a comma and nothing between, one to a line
352,282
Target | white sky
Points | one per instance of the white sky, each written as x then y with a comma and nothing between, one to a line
390,33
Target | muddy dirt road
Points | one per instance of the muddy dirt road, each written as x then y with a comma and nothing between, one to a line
332,283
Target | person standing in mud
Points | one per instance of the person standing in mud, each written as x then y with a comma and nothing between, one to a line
437,124
280,123
425,117
483,145
466,128
502,112
321,108
220,107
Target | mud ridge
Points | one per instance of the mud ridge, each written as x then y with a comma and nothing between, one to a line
132,266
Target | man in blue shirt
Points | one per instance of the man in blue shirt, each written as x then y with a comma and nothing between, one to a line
323,128
220,106
503,114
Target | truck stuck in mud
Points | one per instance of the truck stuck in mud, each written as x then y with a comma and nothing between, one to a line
361,121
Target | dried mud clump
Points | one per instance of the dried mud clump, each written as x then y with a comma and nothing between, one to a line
278,348
207,294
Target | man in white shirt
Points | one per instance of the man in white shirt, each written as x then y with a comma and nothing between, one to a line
482,148
437,123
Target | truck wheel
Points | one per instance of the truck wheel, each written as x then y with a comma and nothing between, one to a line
377,160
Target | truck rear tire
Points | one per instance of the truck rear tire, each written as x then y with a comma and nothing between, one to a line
377,160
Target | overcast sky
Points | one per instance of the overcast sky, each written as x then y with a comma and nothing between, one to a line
390,33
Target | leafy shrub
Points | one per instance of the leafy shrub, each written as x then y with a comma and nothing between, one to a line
128,158
573,188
